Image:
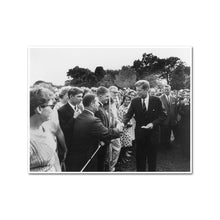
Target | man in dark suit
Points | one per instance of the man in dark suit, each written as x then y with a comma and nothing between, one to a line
148,113
88,131
170,104
69,112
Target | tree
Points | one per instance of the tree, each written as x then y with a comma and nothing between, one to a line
155,81
180,77
48,85
107,81
67,82
99,72
126,77
187,77
39,82
168,67
109,78
171,69
148,65
82,77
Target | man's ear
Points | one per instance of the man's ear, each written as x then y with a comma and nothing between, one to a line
38,110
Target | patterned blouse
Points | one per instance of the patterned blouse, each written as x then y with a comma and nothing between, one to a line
42,157
126,137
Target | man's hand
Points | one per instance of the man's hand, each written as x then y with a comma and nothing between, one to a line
76,113
120,126
148,126
63,156
128,125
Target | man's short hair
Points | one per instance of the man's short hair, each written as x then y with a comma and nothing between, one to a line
74,91
167,86
93,89
63,91
101,91
88,99
111,88
152,90
144,84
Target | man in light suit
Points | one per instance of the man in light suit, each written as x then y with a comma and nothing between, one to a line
104,97
170,104
88,131
149,114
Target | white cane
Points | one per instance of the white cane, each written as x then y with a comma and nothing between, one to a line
90,158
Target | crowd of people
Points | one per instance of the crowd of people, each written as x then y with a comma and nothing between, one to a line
95,129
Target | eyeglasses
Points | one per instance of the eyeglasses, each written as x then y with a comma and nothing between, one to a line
44,106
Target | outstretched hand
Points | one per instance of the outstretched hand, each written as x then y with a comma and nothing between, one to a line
120,127
148,126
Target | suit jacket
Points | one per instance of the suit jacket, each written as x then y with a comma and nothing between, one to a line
66,120
155,115
88,130
171,109
102,115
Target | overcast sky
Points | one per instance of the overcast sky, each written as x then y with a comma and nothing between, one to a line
52,64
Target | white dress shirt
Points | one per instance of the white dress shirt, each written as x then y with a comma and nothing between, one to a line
168,98
146,101
74,107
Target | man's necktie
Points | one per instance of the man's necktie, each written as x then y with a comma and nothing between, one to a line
168,100
143,105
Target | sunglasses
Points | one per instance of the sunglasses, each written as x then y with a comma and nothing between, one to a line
44,106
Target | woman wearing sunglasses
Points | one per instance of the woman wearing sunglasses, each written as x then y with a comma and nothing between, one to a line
42,157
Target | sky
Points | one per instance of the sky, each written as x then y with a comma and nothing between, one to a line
52,64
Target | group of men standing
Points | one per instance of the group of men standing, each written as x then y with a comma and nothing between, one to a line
85,123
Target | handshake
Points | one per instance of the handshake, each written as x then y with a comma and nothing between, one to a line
120,127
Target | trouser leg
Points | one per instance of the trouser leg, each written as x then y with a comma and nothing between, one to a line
101,158
116,148
152,157
165,135
140,156
175,133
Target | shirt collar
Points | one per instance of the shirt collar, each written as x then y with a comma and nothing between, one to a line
146,98
100,104
89,111
167,95
72,106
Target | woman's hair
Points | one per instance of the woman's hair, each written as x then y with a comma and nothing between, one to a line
63,91
124,97
132,92
94,89
39,96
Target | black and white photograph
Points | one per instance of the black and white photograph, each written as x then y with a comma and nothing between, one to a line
110,109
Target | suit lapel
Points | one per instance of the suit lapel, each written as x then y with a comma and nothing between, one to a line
150,103
167,106
70,109
106,118
140,104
